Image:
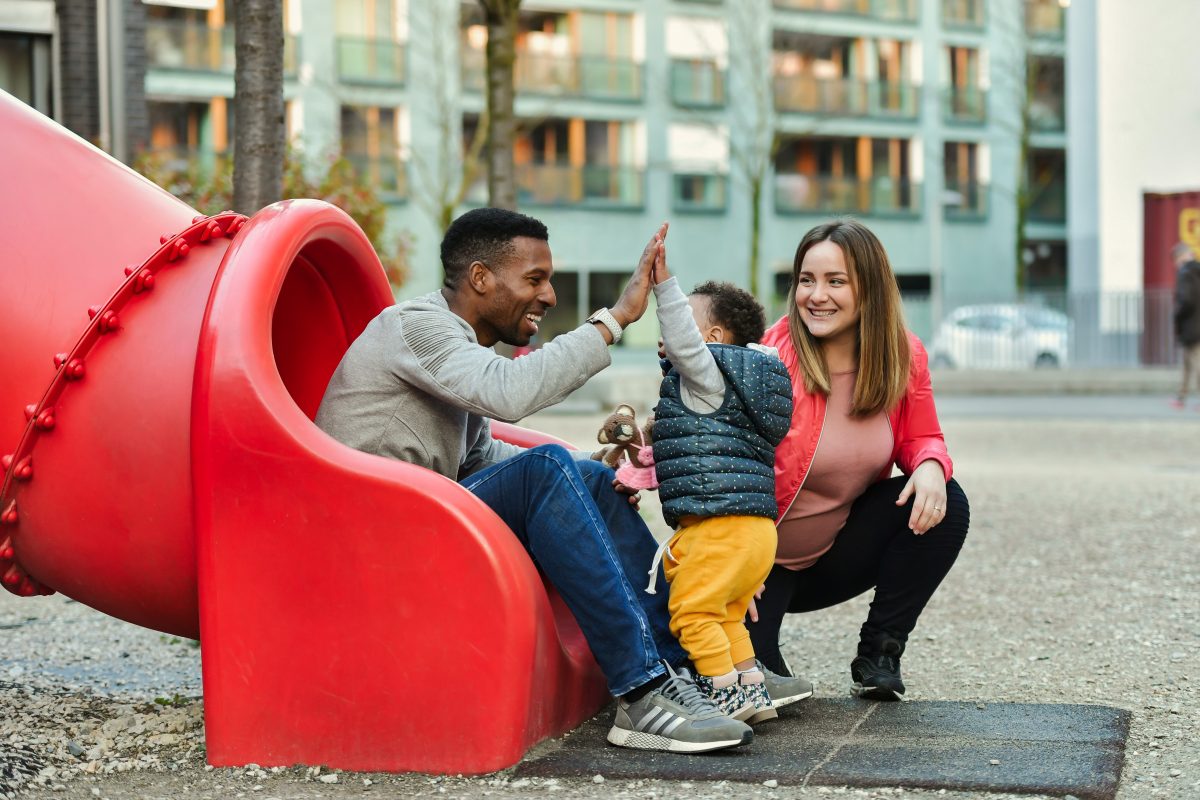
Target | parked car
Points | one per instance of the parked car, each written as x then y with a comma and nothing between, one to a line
1002,336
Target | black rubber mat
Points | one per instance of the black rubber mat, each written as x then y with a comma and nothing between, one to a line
1003,747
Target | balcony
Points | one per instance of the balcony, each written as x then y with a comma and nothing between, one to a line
1048,202
796,193
1047,113
887,10
377,62
963,14
194,47
965,200
705,193
697,84
387,176
593,186
584,77
1044,19
851,97
964,104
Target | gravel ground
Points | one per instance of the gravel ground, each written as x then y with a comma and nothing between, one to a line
1079,583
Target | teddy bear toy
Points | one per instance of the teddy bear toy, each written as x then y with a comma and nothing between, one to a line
630,449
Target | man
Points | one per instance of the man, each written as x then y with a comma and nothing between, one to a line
1187,316
421,383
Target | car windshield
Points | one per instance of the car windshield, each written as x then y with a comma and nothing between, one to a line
1044,319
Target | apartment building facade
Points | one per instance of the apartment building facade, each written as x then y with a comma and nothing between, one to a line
917,116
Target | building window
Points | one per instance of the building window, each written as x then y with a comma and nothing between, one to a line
966,191
1047,93
700,163
965,100
819,175
572,161
843,76
589,54
1045,265
1048,186
191,132
963,13
1044,19
25,69
371,142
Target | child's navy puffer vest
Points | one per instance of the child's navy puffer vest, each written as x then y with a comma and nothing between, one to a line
722,464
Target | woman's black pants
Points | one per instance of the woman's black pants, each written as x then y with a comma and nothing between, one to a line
875,548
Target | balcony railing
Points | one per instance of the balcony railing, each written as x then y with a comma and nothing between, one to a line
373,61
963,13
589,77
594,186
697,84
194,47
1048,201
1047,113
889,10
387,176
851,97
796,193
701,192
965,200
964,104
1044,20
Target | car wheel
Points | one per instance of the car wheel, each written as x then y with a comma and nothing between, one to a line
942,361
1046,361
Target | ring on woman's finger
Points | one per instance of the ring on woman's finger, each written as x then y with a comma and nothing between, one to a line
937,508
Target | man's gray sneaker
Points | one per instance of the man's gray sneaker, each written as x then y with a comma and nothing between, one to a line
785,690
677,718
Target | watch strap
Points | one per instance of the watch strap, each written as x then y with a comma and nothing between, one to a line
605,318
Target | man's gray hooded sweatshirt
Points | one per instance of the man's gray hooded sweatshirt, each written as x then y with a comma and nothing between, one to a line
417,386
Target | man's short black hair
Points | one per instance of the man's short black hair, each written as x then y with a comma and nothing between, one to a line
734,309
484,234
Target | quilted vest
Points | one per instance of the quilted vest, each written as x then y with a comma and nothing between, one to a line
722,463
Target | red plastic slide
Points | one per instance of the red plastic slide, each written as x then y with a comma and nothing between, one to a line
158,376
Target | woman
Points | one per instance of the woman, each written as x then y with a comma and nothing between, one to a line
863,402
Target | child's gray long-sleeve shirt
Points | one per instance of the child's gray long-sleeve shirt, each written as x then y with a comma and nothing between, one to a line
702,386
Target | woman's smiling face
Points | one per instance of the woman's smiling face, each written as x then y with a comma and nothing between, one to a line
825,294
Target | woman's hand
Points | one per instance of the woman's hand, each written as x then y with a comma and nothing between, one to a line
927,485
752,609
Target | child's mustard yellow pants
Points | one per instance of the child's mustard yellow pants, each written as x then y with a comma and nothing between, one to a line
714,567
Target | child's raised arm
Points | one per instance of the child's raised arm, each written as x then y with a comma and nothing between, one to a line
703,386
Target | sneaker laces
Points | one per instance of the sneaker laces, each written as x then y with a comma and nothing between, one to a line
683,690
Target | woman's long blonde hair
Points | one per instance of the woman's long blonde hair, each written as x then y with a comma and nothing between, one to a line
883,350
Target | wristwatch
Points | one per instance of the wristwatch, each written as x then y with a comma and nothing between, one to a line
605,318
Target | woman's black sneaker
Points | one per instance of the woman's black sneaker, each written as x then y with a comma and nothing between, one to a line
876,673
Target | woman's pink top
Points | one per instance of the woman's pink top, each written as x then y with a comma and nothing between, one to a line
851,454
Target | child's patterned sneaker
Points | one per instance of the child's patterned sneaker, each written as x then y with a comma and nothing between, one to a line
754,684
727,695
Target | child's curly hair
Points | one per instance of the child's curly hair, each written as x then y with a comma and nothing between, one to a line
735,309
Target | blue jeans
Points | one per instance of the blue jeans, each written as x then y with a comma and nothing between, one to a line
592,545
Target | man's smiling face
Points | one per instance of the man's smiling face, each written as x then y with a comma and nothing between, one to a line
519,294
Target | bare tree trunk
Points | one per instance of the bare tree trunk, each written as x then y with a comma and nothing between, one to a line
754,140
756,188
501,17
259,131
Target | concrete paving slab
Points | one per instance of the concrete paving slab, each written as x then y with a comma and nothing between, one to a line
999,747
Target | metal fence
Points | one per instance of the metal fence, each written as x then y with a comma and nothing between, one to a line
1047,329
1041,329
